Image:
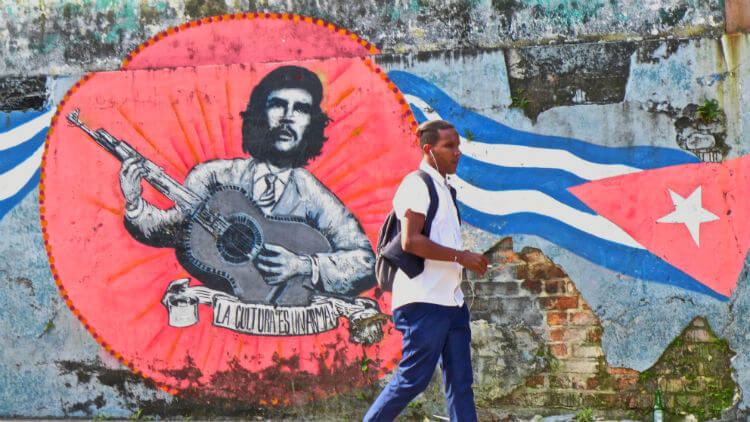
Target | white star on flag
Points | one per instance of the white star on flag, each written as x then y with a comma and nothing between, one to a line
689,212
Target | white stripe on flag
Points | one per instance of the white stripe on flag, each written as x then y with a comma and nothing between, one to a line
523,156
14,179
26,131
516,201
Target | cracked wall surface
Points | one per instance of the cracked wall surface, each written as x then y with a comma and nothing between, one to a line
610,74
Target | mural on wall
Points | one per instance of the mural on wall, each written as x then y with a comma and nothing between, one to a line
221,217
634,210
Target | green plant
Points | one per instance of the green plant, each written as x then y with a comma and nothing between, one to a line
468,135
47,328
584,415
647,375
520,100
364,363
709,110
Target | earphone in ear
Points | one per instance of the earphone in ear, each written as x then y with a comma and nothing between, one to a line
434,161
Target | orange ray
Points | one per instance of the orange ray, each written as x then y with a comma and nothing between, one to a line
148,309
131,266
102,205
173,347
208,349
342,71
228,142
342,97
181,170
184,132
155,338
202,106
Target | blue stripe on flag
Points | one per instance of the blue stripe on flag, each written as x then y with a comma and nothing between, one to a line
14,156
634,262
16,118
552,182
489,131
8,203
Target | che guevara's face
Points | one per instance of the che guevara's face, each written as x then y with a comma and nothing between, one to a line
288,114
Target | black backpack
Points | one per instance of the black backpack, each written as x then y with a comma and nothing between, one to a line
390,256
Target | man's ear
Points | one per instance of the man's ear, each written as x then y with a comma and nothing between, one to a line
426,149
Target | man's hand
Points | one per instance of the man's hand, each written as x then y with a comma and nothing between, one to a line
279,264
474,262
131,173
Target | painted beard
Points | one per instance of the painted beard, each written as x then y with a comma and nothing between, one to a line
261,144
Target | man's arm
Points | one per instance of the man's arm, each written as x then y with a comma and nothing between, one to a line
414,242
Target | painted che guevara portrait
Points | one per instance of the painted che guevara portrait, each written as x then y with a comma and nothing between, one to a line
288,237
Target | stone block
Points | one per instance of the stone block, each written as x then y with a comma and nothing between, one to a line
698,335
575,335
626,383
587,351
487,288
580,365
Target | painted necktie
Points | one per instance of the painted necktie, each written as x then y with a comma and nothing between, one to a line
268,197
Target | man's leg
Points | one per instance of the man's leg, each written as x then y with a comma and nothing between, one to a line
425,327
456,365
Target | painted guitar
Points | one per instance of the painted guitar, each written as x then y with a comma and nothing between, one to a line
225,231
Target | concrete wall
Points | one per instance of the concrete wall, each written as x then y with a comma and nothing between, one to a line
578,119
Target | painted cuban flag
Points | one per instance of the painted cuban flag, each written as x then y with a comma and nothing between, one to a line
21,148
648,212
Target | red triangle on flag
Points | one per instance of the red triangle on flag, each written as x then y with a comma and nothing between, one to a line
694,216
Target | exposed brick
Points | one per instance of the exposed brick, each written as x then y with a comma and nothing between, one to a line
557,318
622,371
556,334
562,302
555,286
558,350
595,334
626,382
535,381
585,306
582,318
533,286
544,271
570,400
592,383
587,351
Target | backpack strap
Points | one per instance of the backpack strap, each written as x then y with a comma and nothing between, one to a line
432,209
455,203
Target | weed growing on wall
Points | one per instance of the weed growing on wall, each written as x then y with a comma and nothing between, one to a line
709,110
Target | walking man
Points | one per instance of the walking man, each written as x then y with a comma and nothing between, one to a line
429,309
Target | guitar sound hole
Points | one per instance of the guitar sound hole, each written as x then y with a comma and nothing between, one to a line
241,241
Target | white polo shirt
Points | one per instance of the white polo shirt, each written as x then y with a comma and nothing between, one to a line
440,283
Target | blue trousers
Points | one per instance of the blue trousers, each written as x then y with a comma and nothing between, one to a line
432,333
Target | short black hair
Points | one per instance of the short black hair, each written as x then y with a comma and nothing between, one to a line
255,131
429,131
